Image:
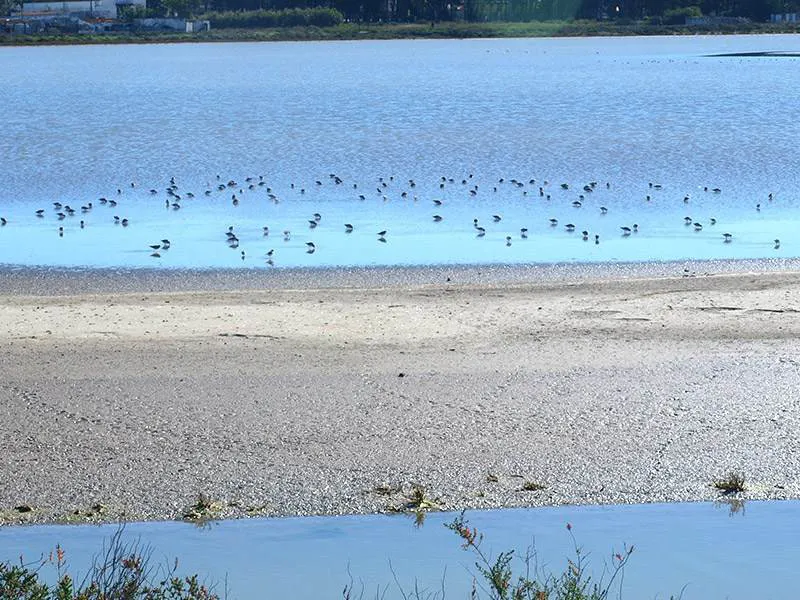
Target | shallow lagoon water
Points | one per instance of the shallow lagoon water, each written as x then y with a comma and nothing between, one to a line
708,549
84,122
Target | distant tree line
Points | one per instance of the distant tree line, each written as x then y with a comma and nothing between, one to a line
281,13
8,6
660,11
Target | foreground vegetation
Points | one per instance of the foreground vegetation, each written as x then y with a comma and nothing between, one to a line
357,31
124,571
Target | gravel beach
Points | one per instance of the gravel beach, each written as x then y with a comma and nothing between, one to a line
128,395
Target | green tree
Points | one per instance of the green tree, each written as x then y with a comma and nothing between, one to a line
180,8
9,6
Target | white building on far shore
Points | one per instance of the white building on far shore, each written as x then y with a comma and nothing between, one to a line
101,9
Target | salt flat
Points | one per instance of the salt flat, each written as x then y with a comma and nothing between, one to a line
343,399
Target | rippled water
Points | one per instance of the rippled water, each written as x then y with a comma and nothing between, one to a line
81,123
708,549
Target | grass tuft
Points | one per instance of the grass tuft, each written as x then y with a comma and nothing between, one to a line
203,510
532,486
732,483
419,500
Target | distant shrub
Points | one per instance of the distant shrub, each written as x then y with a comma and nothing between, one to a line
678,16
130,12
290,17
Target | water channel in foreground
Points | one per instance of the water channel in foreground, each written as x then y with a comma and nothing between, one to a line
710,551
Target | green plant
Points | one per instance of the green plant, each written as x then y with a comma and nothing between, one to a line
732,483
532,486
678,16
122,571
419,501
289,17
203,510
129,12
499,582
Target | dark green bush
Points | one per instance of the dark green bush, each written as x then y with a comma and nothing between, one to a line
678,16
290,17
130,12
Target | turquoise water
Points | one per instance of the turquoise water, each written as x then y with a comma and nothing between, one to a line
82,123
705,549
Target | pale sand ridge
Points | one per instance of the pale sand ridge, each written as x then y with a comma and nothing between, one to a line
292,401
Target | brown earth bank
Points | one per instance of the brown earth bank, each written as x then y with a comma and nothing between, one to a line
132,405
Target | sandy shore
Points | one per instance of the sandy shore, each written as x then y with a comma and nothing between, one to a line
129,403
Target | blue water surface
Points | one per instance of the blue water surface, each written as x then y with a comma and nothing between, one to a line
710,551
85,122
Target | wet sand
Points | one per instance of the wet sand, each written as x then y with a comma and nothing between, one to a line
298,399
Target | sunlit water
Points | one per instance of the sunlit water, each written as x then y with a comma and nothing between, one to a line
710,551
80,123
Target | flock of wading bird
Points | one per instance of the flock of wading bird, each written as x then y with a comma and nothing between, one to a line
385,189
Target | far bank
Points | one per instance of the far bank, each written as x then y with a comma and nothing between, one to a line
389,31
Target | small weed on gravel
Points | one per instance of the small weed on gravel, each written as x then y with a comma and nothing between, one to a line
732,483
532,486
203,510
